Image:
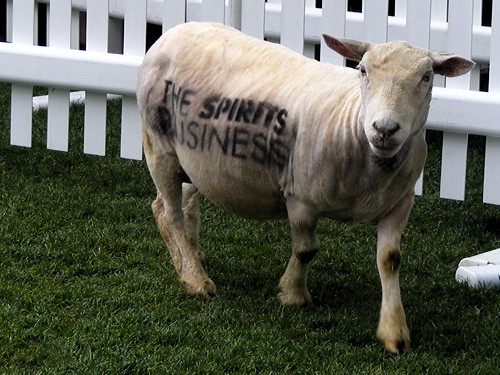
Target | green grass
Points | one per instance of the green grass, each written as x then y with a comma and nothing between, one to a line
86,286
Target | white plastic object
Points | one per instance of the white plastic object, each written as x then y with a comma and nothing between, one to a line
487,276
490,257
480,271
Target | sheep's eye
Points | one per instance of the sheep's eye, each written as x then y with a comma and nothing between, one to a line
362,70
426,77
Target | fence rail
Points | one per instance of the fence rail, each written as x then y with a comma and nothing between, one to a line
458,107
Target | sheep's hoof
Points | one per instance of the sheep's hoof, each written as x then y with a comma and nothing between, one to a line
205,288
396,345
295,298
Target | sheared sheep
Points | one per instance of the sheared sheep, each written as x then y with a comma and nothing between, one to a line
267,133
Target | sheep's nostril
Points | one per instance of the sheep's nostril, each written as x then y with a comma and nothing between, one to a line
395,129
385,129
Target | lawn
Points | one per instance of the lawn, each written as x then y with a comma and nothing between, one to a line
86,286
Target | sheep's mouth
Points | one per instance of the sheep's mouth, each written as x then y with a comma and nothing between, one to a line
386,148
384,151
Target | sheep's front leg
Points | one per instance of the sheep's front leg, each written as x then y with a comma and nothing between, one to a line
392,329
305,245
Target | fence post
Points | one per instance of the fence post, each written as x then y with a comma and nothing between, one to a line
23,14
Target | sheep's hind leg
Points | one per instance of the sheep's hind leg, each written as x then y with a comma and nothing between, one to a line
178,227
191,210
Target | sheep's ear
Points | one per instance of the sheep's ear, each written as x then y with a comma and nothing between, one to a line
349,48
450,65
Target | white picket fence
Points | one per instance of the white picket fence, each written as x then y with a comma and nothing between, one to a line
457,109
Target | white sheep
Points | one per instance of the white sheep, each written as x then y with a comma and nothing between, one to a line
267,133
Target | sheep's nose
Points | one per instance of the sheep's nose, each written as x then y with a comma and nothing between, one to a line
386,128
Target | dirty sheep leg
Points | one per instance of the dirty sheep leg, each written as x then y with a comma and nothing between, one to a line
178,226
392,329
305,245
191,210
181,243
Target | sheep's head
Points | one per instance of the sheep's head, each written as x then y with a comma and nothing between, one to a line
396,84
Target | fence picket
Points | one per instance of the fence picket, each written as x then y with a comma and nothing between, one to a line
94,135
8,20
75,29
460,23
439,14
58,110
134,30
454,158
375,20
292,24
491,192
134,44
23,18
233,14
213,10
58,120
494,79
174,13
418,22
440,10
252,17
333,23
475,74
401,8
97,25
20,113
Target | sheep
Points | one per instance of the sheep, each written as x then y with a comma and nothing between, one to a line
266,133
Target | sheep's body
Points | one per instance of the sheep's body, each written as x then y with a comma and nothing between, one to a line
266,133
325,152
